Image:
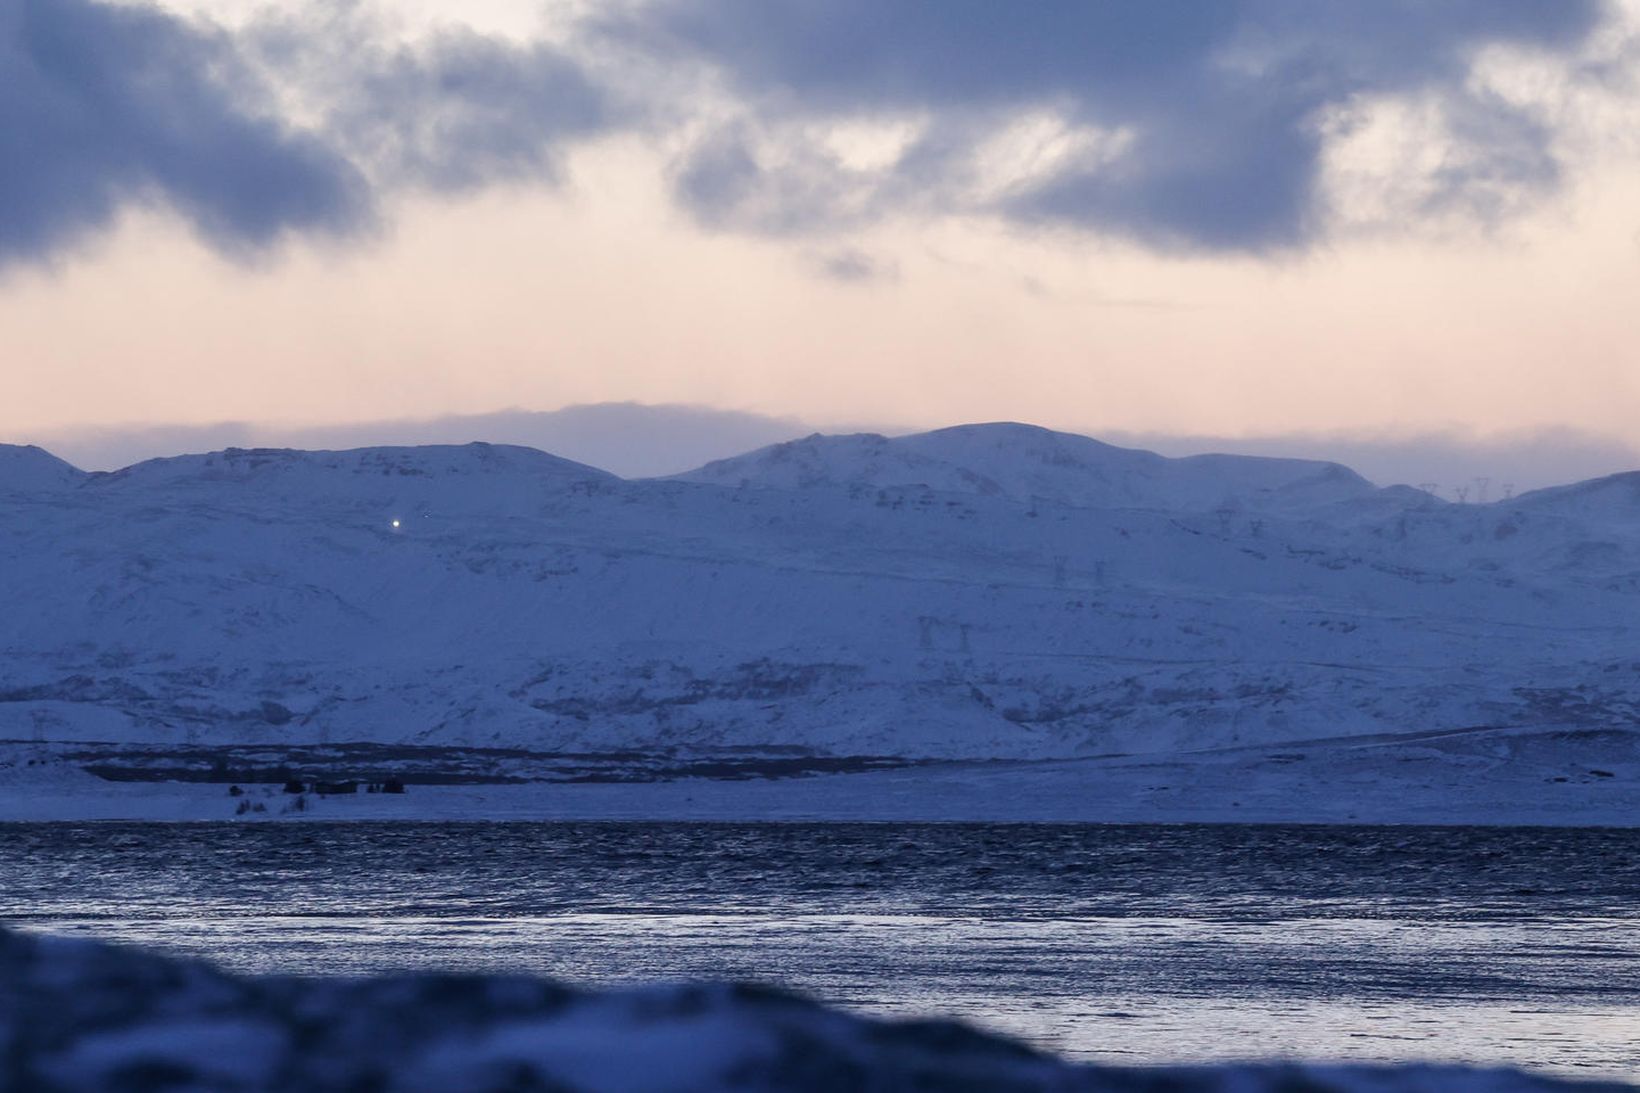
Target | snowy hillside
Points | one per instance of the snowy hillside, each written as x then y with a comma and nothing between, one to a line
490,479
1027,463
27,469
984,592
1613,500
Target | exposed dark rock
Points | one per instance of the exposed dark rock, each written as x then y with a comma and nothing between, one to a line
77,1015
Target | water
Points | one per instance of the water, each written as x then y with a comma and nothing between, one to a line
1110,943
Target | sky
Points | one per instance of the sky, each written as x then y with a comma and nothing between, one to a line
1387,226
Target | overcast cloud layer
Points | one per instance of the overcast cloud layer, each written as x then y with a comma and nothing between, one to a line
1181,125
1178,123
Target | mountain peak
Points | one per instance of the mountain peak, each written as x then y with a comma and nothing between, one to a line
25,468
427,461
1028,463
450,478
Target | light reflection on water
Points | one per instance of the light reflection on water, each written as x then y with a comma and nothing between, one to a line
1121,944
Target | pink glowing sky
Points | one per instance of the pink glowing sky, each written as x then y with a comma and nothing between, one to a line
727,222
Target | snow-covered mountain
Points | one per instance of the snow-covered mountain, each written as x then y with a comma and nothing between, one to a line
988,591
1027,463
488,479
1613,501
27,469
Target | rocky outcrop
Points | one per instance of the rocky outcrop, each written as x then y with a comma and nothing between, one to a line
82,1016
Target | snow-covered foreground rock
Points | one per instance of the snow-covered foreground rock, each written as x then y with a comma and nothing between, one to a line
82,1016
834,604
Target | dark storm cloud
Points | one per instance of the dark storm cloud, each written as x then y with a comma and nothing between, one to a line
105,106
101,106
1223,102
301,123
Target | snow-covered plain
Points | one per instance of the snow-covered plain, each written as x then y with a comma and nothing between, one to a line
76,1015
1014,621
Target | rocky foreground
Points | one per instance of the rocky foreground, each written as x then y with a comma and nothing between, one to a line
82,1016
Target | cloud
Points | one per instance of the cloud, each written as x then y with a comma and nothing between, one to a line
453,111
1176,123
105,106
851,265
1179,124
296,125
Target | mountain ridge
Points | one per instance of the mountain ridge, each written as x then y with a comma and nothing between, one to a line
498,597
26,467
923,449
1026,462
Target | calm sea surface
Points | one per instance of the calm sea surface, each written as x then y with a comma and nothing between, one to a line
1112,943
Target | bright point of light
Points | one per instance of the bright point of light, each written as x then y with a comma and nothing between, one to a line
395,523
